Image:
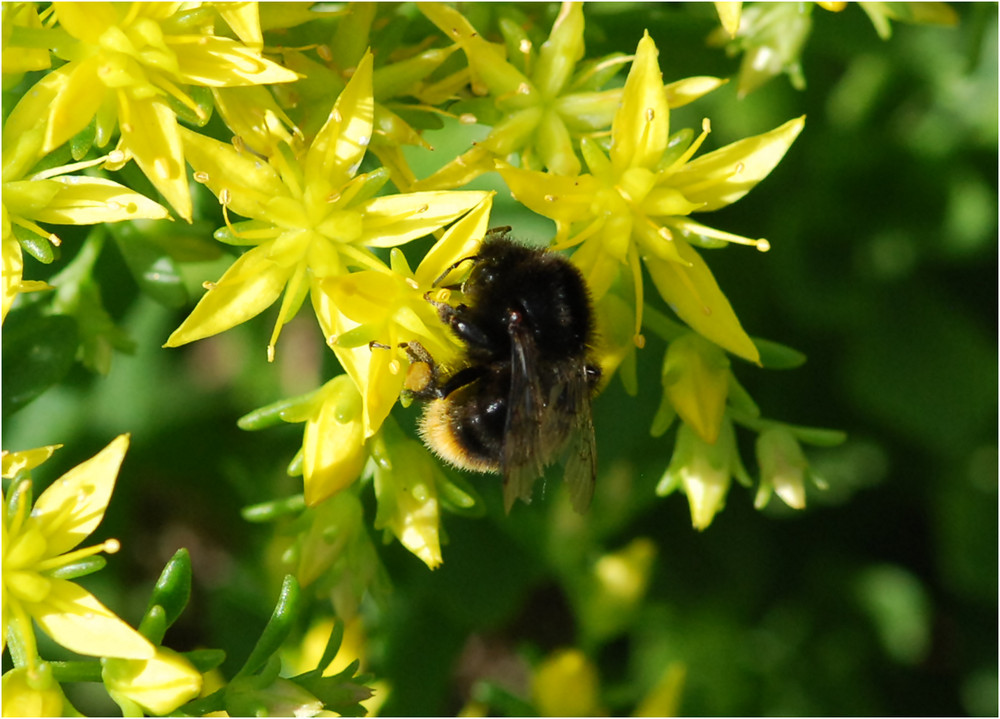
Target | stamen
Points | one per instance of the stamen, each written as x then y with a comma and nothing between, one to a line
109,546
208,285
583,235
467,118
694,228
201,177
115,156
706,127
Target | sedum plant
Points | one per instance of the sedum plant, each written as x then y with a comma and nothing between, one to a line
284,148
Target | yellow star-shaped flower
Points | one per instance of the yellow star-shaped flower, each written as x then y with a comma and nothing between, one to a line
39,544
313,217
635,203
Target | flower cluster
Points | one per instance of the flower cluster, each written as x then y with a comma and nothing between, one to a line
40,559
297,157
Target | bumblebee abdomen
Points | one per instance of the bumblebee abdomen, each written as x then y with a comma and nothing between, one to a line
467,428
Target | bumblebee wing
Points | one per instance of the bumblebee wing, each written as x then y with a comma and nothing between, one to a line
581,451
523,449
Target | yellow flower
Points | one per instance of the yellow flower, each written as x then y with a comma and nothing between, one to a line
616,589
313,218
125,61
34,692
38,546
389,309
55,197
696,381
333,445
703,471
544,101
156,686
635,203
406,479
566,684
783,468
19,60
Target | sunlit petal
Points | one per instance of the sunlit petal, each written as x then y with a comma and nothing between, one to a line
247,288
149,131
75,619
72,506
722,177
91,200
692,292
395,219
642,125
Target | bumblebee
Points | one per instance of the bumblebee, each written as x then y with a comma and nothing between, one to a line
520,399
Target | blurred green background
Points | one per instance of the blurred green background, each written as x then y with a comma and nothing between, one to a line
880,598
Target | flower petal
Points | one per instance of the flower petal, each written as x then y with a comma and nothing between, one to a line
554,145
559,54
74,618
696,379
336,152
681,92
15,462
72,506
13,268
222,62
396,219
692,292
158,685
491,69
92,200
722,177
460,240
641,127
334,441
149,131
558,197
251,183
247,288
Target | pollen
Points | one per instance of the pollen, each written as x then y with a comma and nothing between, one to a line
762,245
418,377
524,46
650,114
